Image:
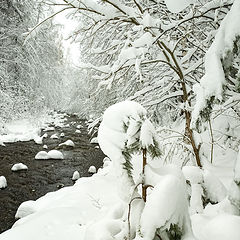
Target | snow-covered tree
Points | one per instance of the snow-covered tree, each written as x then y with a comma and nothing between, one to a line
29,73
125,130
144,52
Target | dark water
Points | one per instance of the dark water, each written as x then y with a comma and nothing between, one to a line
43,176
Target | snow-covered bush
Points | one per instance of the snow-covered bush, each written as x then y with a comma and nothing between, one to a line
125,130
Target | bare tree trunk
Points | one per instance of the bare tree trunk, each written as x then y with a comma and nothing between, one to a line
144,188
188,129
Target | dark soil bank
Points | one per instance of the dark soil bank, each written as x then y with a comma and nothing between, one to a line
43,176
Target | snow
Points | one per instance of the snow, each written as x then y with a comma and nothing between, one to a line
49,129
25,209
68,143
222,226
92,169
54,136
30,129
76,176
179,5
237,169
145,39
18,167
77,131
216,191
75,212
45,135
193,174
53,154
212,82
94,140
41,155
45,147
114,119
227,225
97,207
155,213
3,182
196,205
38,140
234,195
19,130
62,135
147,134
106,159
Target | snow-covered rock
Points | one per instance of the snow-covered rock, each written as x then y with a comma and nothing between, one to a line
54,136
76,176
49,129
25,209
77,131
42,155
62,135
3,182
2,143
45,135
68,143
45,146
106,163
18,167
38,140
92,169
106,159
94,140
55,154
79,126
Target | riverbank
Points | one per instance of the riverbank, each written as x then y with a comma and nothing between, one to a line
44,176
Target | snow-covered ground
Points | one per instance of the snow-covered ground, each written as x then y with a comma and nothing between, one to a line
30,129
93,209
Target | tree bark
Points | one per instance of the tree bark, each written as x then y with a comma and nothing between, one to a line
144,188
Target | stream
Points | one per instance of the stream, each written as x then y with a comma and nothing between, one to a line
44,176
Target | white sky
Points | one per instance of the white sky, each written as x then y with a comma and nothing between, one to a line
71,49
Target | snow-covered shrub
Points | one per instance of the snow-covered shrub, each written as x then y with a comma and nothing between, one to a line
166,211
125,130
